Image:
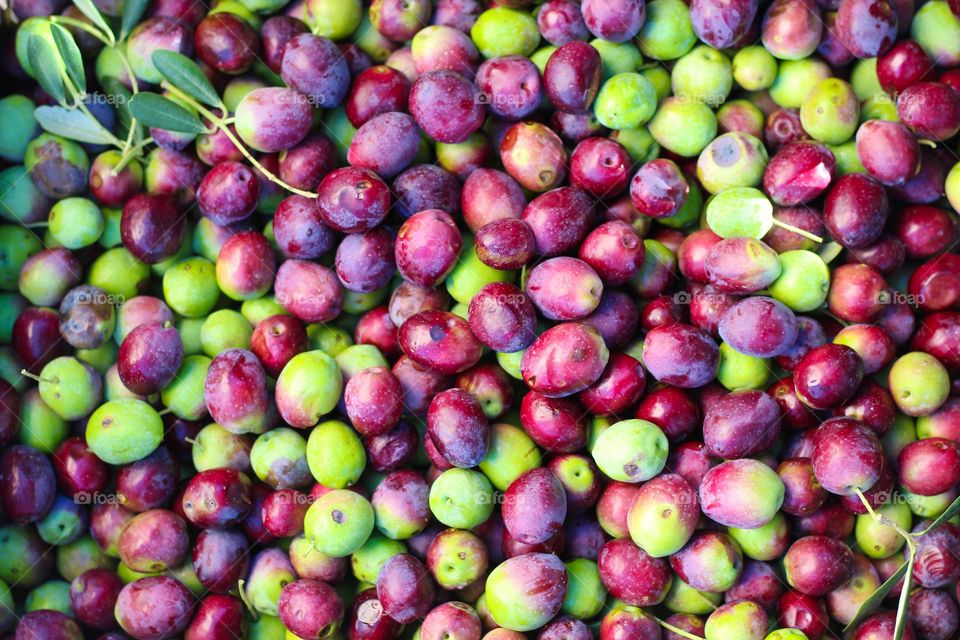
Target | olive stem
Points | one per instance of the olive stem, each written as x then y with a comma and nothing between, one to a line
867,505
246,600
885,521
221,123
134,89
904,600
262,169
128,143
680,632
129,155
806,234
86,111
37,378
134,84
83,26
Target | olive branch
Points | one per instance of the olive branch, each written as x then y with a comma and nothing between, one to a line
55,62
905,572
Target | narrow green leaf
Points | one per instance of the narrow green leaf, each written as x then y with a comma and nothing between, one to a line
676,630
951,511
903,606
120,96
873,603
829,251
46,66
70,54
184,74
132,12
154,110
73,124
268,75
90,10
246,600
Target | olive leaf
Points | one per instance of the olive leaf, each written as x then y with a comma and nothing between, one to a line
132,12
70,54
246,600
90,10
829,251
951,511
873,603
903,607
73,124
184,74
675,630
46,67
154,110
268,75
